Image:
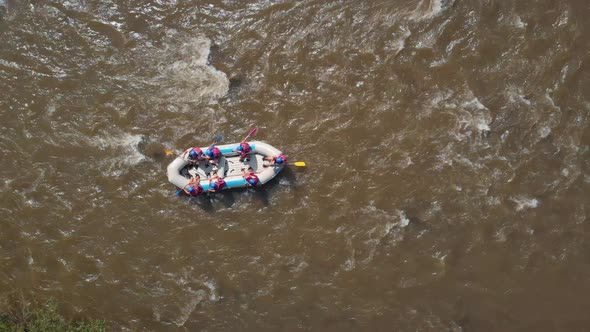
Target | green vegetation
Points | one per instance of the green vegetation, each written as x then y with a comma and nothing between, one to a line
44,319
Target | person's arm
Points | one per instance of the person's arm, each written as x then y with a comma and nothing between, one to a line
184,155
197,180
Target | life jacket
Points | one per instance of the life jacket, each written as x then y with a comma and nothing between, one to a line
245,148
220,184
284,159
197,150
196,190
216,152
251,176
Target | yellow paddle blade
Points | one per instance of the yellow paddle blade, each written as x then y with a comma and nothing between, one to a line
169,152
299,163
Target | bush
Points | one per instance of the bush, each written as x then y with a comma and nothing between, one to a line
44,319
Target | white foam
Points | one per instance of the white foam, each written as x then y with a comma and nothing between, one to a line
476,119
189,77
544,131
481,124
131,143
563,19
519,23
403,219
474,103
398,44
515,94
433,8
125,147
548,97
349,264
406,162
212,285
493,200
185,311
523,203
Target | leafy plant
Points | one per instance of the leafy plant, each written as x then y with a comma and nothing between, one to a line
45,318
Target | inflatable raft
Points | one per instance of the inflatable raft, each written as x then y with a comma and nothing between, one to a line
230,166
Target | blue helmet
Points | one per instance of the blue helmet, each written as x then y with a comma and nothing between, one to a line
252,181
279,160
191,190
209,153
213,185
193,154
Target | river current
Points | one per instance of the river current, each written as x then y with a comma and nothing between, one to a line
447,149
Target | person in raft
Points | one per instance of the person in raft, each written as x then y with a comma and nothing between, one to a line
194,155
243,149
216,183
193,188
212,155
250,177
277,160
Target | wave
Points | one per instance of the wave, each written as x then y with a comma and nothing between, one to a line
428,9
126,150
184,72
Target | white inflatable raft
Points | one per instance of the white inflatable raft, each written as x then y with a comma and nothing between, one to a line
230,166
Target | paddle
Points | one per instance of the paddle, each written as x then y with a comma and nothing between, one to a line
217,139
251,133
297,163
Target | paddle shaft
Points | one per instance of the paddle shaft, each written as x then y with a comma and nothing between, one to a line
217,139
251,133
297,163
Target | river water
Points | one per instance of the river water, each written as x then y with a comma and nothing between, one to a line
447,151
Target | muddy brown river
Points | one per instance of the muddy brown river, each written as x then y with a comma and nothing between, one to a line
447,146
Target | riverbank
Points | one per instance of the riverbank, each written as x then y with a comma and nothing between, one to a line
22,316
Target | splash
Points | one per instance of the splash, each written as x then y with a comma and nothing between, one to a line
523,203
184,72
125,147
428,9
186,308
403,219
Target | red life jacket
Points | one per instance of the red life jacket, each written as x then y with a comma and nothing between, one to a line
217,185
220,183
252,176
245,147
284,159
197,150
216,152
196,190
